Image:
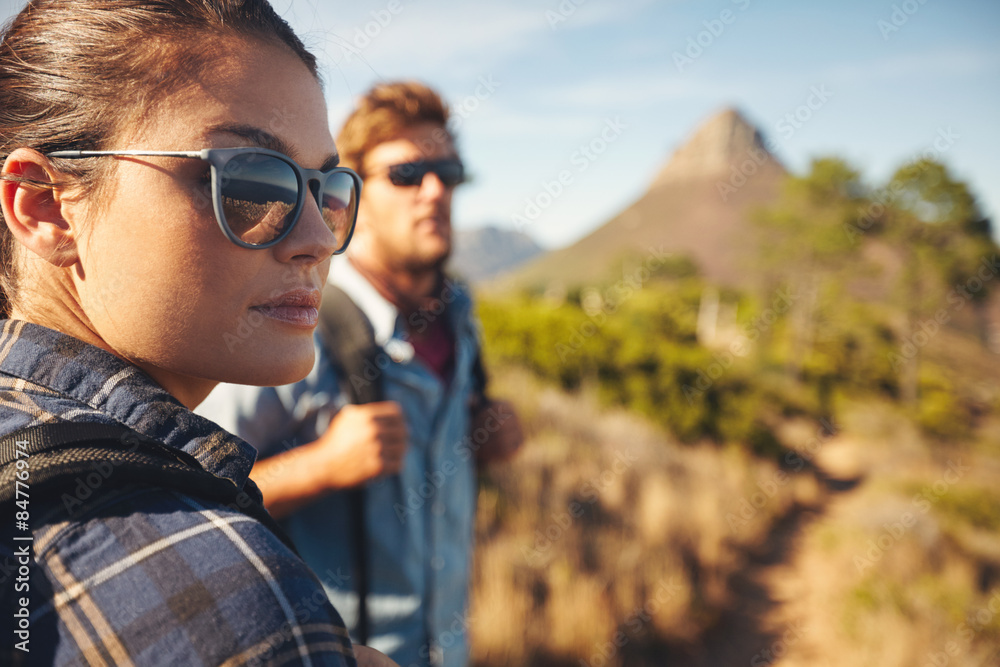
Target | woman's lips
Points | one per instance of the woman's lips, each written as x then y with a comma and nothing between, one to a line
298,307
303,316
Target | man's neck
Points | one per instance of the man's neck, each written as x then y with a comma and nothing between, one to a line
403,287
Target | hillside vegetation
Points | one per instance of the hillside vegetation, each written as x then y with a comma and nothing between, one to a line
801,474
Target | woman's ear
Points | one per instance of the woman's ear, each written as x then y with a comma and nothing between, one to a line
33,207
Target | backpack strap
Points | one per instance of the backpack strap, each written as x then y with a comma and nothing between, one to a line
59,453
349,339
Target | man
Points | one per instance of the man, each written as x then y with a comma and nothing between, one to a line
415,452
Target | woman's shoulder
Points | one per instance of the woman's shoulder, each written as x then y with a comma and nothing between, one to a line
178,577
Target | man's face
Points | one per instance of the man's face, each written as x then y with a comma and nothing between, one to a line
406,227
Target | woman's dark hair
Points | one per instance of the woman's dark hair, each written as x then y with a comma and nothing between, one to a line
74,74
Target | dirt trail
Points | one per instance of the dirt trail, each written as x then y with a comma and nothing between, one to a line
766,623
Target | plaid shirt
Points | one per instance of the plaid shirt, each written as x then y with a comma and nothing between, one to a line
142,575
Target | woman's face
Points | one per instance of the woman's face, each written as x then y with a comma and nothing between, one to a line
160,283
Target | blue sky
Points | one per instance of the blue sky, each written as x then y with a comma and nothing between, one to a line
560,71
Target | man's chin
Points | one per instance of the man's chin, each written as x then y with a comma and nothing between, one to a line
430,258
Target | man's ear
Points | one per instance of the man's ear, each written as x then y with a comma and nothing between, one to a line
33,207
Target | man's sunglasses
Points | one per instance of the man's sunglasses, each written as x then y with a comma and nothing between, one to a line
451,172
258,194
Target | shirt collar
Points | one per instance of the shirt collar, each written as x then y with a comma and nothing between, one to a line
379,311
119,391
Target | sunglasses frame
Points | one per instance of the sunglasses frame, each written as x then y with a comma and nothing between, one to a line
219,157
427,166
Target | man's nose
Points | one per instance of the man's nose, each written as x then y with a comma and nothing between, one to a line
432,185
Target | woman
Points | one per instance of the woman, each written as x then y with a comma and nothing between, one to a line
143,261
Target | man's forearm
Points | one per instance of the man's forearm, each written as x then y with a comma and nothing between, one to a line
292,479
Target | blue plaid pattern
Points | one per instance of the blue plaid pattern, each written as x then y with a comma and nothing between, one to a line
139,575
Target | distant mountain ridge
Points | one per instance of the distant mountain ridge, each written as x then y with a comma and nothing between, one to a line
483,253
697,205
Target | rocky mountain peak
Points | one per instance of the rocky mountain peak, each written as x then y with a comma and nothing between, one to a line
724,140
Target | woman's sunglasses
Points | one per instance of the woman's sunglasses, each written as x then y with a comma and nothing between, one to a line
258,194
451,172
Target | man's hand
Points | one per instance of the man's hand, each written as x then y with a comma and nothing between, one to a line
369,657
500,422
363,442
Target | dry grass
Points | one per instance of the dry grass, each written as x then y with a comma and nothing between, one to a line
606,543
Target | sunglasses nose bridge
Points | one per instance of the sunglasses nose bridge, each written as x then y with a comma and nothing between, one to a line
314,186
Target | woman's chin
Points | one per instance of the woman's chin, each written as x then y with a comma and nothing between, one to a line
275,366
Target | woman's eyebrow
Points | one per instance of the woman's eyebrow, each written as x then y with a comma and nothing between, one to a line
255,136
265,139
330,162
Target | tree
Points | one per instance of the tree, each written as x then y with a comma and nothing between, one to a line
943,238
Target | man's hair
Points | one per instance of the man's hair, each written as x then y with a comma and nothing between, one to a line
383,113
76,75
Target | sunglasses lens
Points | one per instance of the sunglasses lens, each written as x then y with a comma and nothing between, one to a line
259,194
407,173
339,206
451,172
